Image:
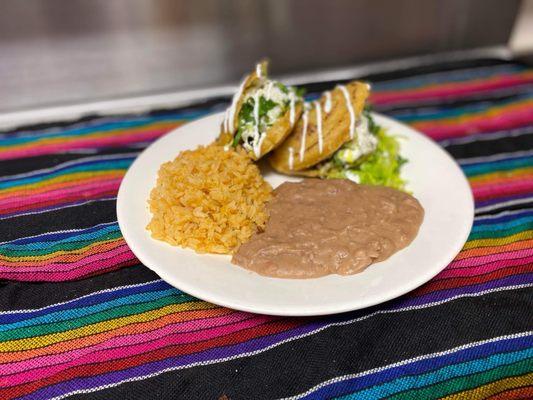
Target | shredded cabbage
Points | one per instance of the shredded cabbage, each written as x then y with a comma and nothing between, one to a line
382,167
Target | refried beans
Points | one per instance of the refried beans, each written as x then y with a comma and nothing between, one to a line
334,226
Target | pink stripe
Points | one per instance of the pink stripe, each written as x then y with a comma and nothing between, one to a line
479,260
503,189
484,264
65,265
124,342
502,121
85,190
114,353
111,140
61,276
23,192
467,88
74,271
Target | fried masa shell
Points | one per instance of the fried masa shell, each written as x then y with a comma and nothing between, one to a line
276,134
335,132
250,81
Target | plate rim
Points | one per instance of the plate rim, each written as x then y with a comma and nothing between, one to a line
240,306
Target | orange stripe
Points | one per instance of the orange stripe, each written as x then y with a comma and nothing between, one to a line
28,190
492,388
500,177
134,328
485,251
515,394
96,135
478,117
61,255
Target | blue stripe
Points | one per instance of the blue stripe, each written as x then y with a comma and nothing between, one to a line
53,236
394,375
80,236
88,301
71,164
63,315
445,77
520,161
501,226
106,165
436,113
494,166
93,127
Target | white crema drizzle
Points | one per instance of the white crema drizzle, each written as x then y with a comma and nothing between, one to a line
292,112
269,89
258,139
291,158
225,124
327,103
230,119
350,109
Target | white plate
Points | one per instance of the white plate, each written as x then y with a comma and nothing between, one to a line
434,178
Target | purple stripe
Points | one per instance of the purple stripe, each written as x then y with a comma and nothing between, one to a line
477,352
498,200
153,367
441,295
56,207
258,343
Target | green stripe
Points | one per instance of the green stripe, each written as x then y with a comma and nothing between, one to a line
118,312
488,226
108,166
69,246
463,383
500,232
495,166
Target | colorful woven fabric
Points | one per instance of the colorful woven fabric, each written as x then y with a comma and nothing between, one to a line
123,333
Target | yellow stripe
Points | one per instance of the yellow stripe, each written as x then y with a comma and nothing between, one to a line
65,178
490,389
499,241
487,178
48,256
99,327
494,111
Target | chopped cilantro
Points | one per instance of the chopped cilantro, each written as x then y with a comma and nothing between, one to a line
265,106
299,91
246,114
237,137
282,87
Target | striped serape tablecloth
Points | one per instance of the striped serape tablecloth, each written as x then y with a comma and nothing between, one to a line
81,318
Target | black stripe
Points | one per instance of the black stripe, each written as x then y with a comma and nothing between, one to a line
296,366
23,295
28,164
76,217
497,210
507,144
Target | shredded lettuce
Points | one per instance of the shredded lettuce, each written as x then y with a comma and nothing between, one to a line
382,167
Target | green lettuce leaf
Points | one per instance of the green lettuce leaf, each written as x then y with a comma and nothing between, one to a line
382,167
